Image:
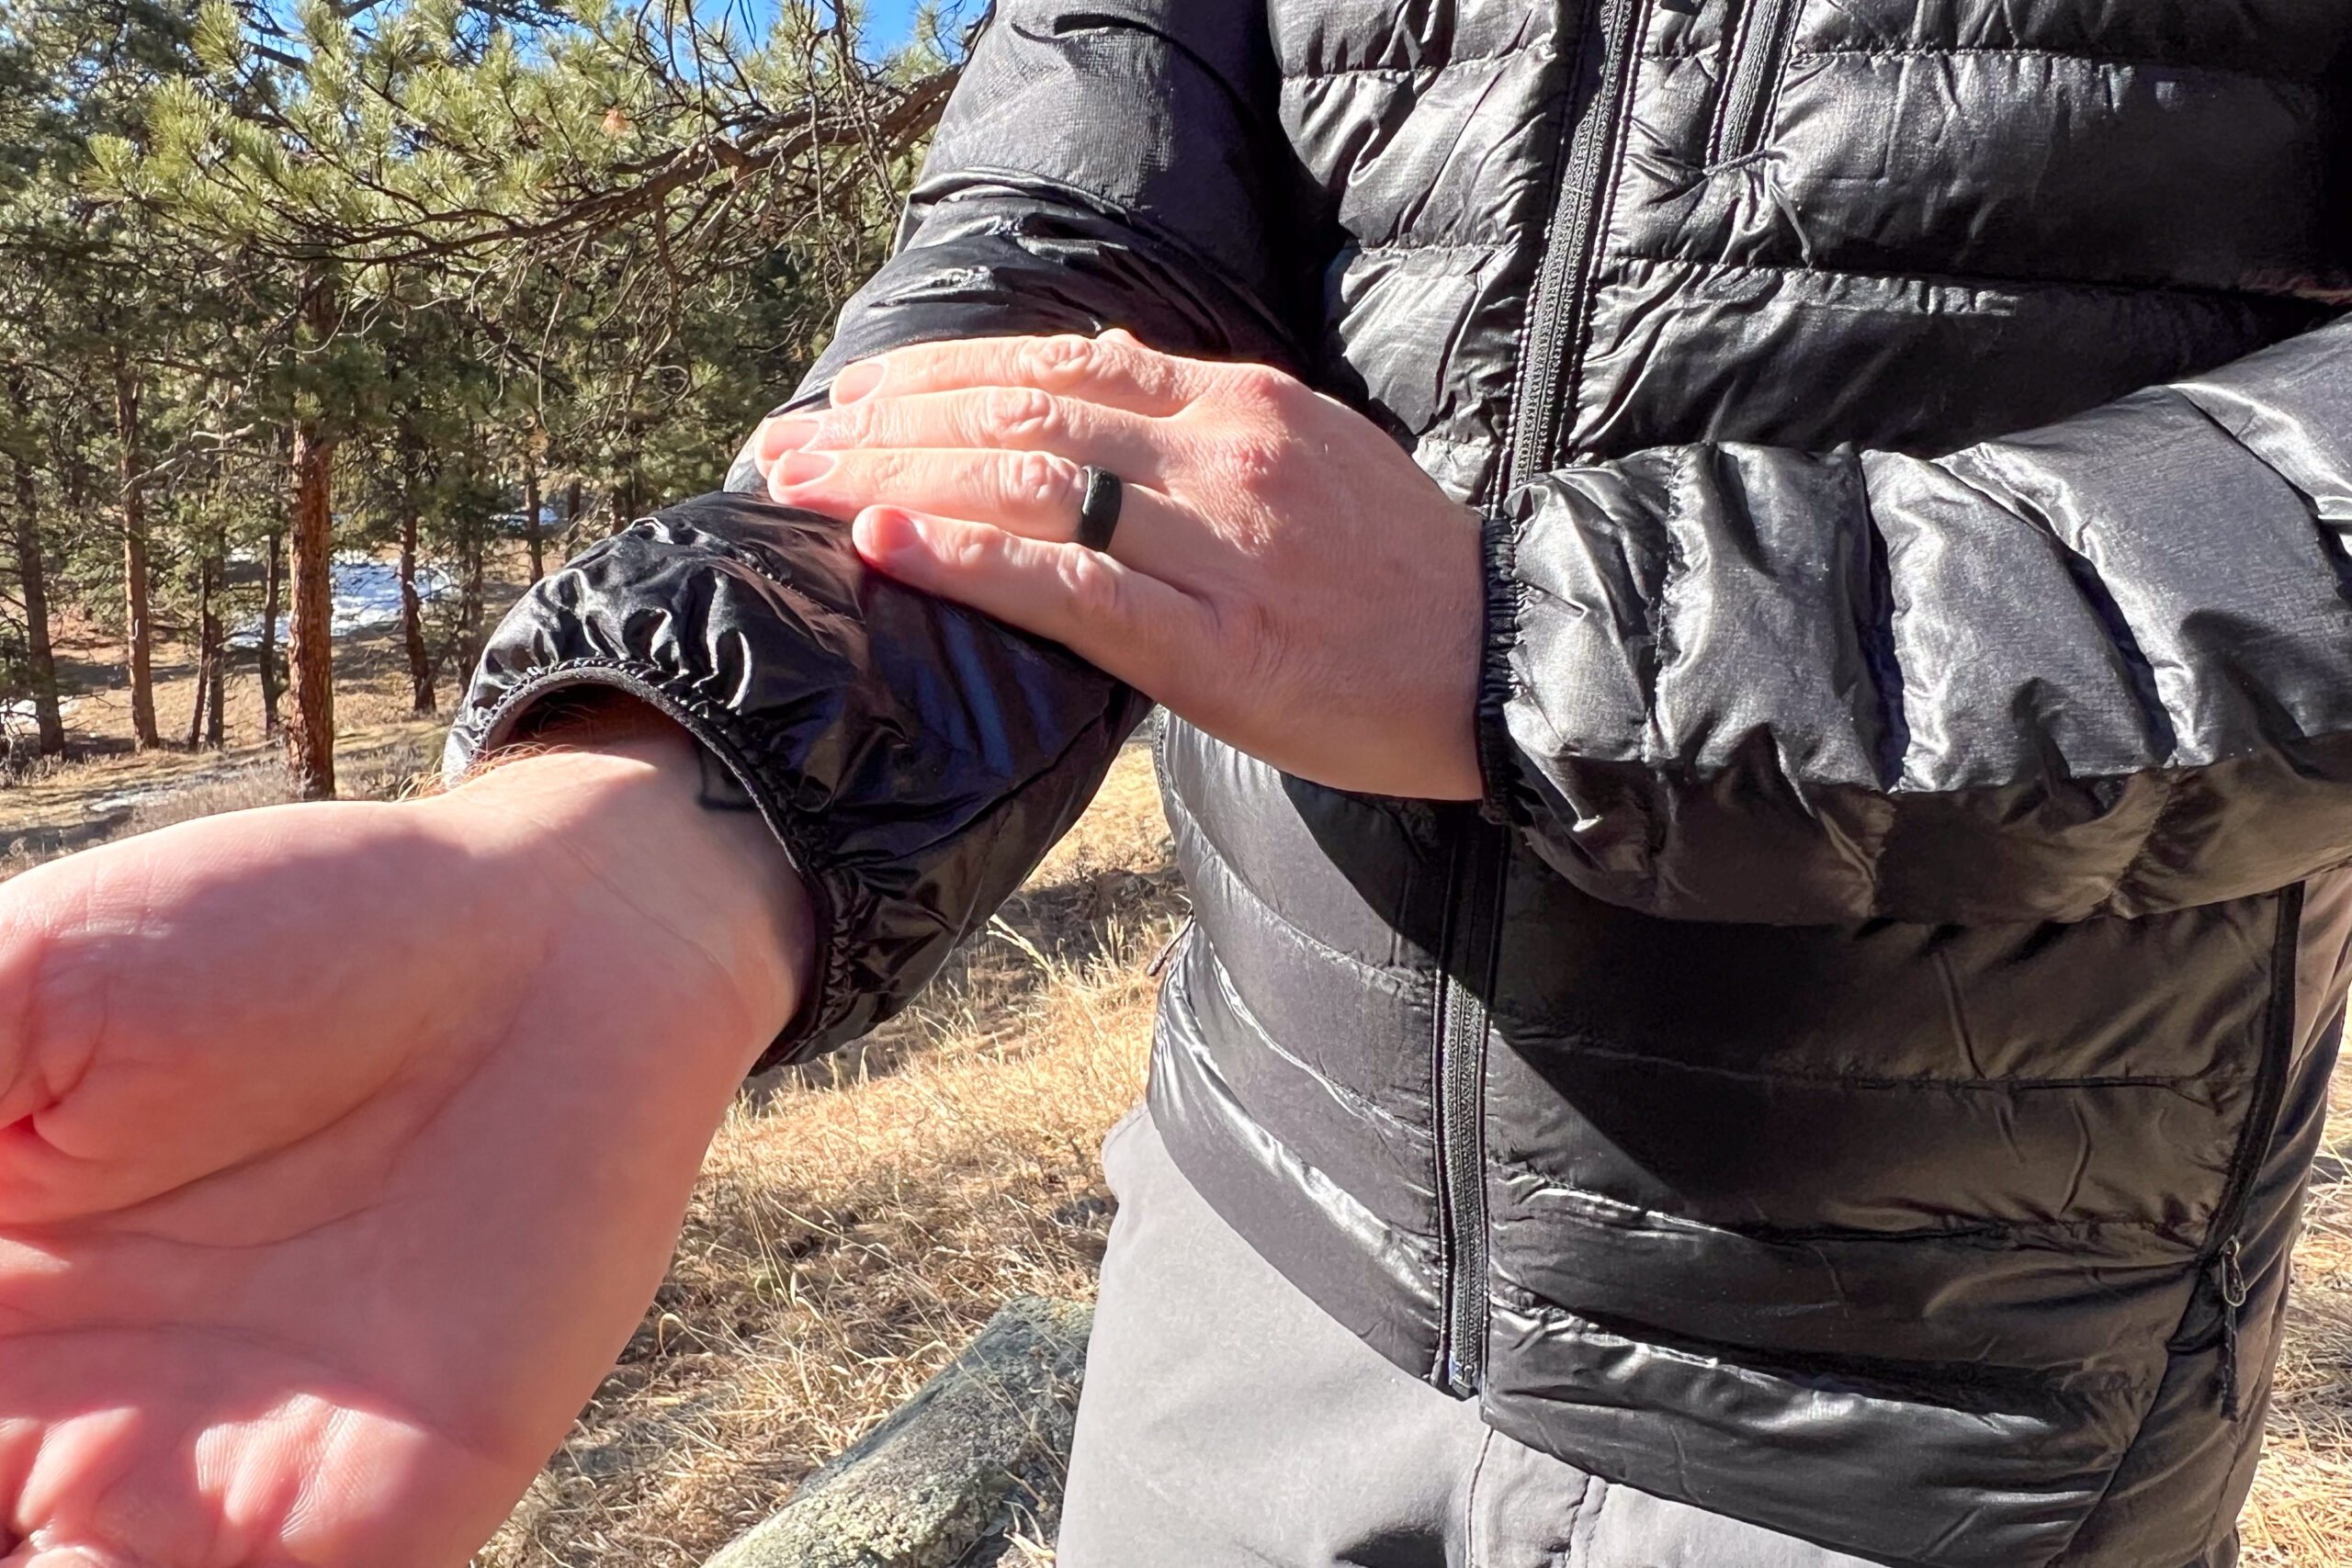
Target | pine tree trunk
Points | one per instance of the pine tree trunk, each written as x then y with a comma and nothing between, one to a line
32,572
272,579
216,649
310,642
531,521
470,603
420,662
203,665
209,676
140,654
203,653
572,503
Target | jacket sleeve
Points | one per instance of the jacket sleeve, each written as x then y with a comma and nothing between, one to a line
2099,668
1096,168
1111,165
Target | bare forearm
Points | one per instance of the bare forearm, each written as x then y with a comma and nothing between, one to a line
629,795
349,1140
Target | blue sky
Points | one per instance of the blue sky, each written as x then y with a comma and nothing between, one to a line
891,22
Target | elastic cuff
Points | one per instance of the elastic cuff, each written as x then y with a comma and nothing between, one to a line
481,732
1497,754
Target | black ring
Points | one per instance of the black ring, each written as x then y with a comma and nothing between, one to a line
1098,514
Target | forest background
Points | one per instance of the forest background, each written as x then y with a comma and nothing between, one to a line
414,279
437,291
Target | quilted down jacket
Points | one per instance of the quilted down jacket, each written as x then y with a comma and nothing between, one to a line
1859,1067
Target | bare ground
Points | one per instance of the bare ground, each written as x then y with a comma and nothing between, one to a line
857,1221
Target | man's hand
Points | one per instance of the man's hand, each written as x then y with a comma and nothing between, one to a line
343,1146
1283,575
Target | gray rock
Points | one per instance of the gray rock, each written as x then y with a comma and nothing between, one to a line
978,1451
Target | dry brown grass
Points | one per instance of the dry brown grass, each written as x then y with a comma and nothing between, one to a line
854,1226
372,676
2300,1514
64,806
105,790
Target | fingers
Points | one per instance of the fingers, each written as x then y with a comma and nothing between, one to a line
1113,369
1034,494
1118,618
999,419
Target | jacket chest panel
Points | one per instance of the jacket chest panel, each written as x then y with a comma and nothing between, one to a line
1909,224
1434,130
2000,137
2135,161
1914,226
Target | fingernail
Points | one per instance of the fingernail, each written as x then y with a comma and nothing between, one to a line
857,380
882,533
783,436
804,467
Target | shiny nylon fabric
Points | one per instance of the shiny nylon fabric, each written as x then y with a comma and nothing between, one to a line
916,760
1915,447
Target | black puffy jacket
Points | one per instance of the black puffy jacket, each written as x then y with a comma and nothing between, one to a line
1858,1069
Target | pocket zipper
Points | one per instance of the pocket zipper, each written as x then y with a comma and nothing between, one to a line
2225,1262
2233,1289
1760,47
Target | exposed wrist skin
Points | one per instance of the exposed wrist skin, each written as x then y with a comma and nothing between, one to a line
915,758
631,797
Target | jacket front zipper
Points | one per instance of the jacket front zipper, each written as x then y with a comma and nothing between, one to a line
1759,48
1557,317
1473,909
2224,1260
1474,880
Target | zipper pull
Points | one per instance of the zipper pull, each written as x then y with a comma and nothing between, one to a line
2233,1282
1169,952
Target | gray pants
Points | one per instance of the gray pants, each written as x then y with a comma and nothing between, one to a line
1227,1423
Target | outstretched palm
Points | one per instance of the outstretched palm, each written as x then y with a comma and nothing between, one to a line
342,1147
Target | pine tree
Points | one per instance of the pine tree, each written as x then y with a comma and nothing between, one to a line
426,262
32,569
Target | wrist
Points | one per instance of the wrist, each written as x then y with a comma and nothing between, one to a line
626,803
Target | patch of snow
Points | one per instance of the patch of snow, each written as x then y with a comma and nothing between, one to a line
108,806
550,520
19,717
367,593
